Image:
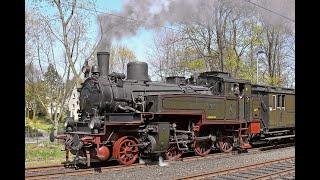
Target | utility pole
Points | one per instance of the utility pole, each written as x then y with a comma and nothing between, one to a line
259,52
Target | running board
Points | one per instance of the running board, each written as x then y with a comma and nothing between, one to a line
274,132
280,137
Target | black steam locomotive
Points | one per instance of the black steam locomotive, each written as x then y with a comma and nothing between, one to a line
130,117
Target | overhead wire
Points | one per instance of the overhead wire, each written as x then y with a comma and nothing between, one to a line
166,27
255,4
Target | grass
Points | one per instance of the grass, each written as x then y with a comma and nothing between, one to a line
44,153
38,124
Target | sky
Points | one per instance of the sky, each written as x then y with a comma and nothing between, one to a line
138,43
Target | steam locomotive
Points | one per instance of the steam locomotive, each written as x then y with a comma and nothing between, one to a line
126,118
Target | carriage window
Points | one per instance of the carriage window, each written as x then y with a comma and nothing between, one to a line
283,101
241,88
279,101
274,101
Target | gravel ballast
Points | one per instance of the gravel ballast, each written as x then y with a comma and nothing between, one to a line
178,169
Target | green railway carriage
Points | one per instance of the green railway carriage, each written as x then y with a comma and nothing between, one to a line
275,107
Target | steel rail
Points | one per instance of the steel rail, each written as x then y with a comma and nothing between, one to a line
242,168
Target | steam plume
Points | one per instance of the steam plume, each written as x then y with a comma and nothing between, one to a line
151,14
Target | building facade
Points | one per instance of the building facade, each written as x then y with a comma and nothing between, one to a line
73,104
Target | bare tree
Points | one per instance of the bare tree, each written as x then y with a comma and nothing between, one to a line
66,28
276,45
120,57
226,35
33,86
169,55
69,27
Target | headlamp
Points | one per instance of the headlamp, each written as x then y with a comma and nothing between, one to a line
69,122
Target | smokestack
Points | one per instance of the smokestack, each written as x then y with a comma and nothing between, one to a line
103,63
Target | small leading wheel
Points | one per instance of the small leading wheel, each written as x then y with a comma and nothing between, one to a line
173,152
127,151
202,148
225,145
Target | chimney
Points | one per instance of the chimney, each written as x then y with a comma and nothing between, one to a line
103,63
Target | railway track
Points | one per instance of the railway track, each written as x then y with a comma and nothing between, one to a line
264,170
80,172
30,169
54,171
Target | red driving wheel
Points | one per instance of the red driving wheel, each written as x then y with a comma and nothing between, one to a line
126,151
225,145
202,148
173,152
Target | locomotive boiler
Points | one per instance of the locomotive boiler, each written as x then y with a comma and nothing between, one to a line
112,93
130,117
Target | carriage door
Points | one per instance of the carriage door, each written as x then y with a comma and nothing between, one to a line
273,120
280,112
